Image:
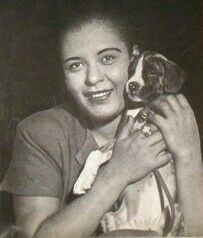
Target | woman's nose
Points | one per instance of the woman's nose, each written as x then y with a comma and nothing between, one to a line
93,75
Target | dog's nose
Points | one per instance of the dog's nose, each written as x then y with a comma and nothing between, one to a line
133,88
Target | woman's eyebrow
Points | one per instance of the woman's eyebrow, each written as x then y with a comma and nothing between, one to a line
107,49
71,58
101,51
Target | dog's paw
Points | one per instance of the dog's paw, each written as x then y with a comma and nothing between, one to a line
88,174
83,183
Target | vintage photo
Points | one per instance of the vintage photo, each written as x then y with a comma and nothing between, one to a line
101,118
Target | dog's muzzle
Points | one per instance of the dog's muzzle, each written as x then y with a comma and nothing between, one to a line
133,88
143,92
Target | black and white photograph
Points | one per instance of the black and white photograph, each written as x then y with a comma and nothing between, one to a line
101,118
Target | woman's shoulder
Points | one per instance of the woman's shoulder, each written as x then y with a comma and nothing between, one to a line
55,121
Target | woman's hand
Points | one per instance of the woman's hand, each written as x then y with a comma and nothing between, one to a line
178,126
179,129
135,155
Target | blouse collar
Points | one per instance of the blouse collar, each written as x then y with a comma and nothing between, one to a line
87,147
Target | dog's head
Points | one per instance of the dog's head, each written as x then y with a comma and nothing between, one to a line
152,74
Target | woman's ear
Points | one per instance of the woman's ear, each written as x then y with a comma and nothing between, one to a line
135,52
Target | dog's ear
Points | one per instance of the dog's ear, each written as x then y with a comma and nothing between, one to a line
132,66
134,59
136,51
174,77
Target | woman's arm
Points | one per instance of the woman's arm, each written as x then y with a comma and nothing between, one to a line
180,131
31,211
190,194
41,215
81,217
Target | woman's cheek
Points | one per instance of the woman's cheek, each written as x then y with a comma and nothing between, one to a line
73,80
118,74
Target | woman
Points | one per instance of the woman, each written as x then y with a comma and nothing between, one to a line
51,146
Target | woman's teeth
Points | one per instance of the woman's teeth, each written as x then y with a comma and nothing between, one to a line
99,96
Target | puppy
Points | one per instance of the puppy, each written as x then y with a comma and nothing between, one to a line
152,75
150,203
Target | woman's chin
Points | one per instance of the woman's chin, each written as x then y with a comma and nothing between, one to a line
104,116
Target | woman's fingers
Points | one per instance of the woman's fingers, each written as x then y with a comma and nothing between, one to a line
183,101
170,103
154,137
162,159
153,128
126,129
156,119
159,147
173,102
163,106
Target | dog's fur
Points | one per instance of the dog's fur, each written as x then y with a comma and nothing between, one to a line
140,205
151,75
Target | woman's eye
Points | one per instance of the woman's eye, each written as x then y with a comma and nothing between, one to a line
108,59
75,66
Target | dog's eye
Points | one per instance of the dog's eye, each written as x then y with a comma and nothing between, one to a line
152,74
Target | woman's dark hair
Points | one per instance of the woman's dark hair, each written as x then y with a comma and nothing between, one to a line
76,13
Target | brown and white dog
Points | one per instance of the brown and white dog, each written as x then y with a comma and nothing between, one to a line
148,204
151,75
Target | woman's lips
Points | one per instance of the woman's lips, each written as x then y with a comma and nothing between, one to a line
98,96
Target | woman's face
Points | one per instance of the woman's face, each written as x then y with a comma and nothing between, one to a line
95,61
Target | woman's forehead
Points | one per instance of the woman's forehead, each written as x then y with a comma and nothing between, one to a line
93,35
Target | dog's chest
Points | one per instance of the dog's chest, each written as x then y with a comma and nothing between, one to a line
143,205
146,193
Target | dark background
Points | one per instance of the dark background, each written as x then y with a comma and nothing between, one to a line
30,73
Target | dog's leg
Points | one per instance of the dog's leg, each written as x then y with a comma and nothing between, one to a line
88,174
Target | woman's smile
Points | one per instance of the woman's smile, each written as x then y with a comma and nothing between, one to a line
98,96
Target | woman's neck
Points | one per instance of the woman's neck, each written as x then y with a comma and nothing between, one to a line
106,132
